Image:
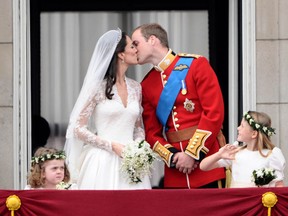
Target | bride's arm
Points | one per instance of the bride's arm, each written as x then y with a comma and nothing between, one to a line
139,133
82,132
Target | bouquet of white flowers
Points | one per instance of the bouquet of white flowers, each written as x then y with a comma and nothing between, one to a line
63,186
263,176
137,161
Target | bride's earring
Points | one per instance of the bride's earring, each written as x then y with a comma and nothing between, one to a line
123,61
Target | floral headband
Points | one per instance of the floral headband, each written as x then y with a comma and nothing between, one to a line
269,131
57,155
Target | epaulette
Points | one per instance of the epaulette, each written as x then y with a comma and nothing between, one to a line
189,55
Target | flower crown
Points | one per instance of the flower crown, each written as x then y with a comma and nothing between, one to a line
49,156
269,131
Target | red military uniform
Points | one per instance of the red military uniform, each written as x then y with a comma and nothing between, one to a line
201,108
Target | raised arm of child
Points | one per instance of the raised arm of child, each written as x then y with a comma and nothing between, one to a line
211,162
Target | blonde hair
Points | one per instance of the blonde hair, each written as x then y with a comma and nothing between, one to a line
35,178
263,141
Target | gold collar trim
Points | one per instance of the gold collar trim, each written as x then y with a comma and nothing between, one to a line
166,61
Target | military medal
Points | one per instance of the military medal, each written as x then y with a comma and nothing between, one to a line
189,105
184,89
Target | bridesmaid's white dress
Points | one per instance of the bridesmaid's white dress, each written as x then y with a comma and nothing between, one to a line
246,161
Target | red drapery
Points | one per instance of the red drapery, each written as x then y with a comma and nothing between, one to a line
202,202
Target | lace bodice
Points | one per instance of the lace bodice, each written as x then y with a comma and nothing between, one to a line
103,120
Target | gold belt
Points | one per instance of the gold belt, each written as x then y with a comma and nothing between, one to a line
181,135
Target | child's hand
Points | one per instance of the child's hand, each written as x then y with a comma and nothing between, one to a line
228,151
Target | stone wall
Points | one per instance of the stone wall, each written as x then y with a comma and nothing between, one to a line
272,67
6,95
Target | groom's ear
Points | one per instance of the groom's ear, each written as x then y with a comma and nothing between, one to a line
153,39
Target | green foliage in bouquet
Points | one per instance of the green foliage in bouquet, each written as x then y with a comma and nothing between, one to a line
137,161
263,176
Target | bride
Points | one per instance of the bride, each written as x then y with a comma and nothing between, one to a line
106,117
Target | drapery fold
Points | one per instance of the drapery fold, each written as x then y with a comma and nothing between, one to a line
217,202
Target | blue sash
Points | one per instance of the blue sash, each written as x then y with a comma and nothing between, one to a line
172,88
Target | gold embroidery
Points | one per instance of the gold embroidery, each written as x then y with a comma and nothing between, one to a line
189,55
181,67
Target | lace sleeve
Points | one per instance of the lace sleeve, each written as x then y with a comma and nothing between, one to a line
139,133
82,131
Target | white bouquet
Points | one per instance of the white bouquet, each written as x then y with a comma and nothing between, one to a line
137,161
63,186
263,176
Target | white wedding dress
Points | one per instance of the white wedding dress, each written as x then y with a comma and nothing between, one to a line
98,165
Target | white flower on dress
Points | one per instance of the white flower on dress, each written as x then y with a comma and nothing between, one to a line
137,161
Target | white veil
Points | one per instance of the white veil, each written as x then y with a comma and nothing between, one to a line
98,66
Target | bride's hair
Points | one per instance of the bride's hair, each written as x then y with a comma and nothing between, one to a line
110,75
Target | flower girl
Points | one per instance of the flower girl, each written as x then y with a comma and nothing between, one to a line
256,163
49,170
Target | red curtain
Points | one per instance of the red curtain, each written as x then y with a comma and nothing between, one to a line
160,202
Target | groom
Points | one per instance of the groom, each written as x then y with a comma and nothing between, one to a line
183,109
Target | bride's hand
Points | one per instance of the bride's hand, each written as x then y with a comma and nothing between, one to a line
117,148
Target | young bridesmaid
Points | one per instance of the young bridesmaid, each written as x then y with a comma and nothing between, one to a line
49,170
258,162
